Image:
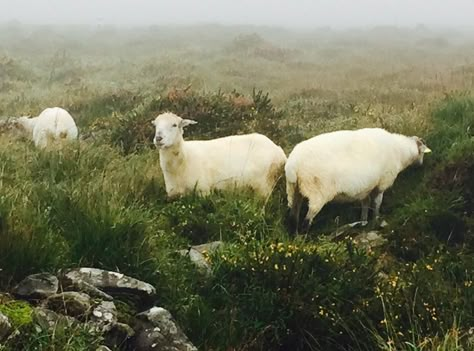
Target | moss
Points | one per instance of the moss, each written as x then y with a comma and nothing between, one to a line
18,312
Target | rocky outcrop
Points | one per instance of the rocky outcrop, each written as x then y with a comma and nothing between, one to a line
88,299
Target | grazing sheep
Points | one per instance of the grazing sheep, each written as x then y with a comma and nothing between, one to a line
250,160
53,124
347,166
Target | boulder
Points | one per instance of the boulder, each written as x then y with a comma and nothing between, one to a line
70,303
156,330
112,283
37,286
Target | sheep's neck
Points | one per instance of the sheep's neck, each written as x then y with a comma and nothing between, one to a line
408,150
29,124
173,158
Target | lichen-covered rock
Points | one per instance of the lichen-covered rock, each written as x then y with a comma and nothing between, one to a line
158,331
37,286
70,303
111,282
85,287
104,316
49,320
5,327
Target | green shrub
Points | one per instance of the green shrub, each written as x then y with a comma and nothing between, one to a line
218,115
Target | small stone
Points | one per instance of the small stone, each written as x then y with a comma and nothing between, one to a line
158,330
103,348
5,327
48,320
197,254
70,303
383,224
37,286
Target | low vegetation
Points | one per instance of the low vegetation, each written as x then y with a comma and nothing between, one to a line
102,203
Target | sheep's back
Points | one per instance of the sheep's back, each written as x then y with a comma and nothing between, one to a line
351,161
234,157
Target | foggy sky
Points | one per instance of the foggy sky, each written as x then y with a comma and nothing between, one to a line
286,13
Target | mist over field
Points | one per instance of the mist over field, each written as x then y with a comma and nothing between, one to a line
301,13
290,70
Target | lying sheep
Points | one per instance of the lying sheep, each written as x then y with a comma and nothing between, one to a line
347,166
53,124
250,160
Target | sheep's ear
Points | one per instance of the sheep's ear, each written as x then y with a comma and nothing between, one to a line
186,122
423,149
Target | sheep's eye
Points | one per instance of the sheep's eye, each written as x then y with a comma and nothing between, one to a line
175,125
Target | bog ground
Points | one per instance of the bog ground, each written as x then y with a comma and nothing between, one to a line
102,203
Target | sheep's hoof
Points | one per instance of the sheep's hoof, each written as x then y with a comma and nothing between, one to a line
305,226
291,223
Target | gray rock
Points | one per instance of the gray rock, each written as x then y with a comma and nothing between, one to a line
208,247
85,287
158,331
37,286
370,239
5,326
111,282
48,320
104,316
70,303
197,254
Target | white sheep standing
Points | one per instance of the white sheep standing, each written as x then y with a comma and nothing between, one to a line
347,166
53,124
251,160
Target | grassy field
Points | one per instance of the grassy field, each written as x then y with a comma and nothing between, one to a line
102,203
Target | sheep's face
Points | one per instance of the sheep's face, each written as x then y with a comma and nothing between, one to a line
422,150
169,129
12,125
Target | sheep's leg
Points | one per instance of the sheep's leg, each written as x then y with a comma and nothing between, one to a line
377,202
314,206
294,206
364,216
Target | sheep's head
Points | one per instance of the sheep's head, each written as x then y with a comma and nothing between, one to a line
422,149
169,129
20,123
11,125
